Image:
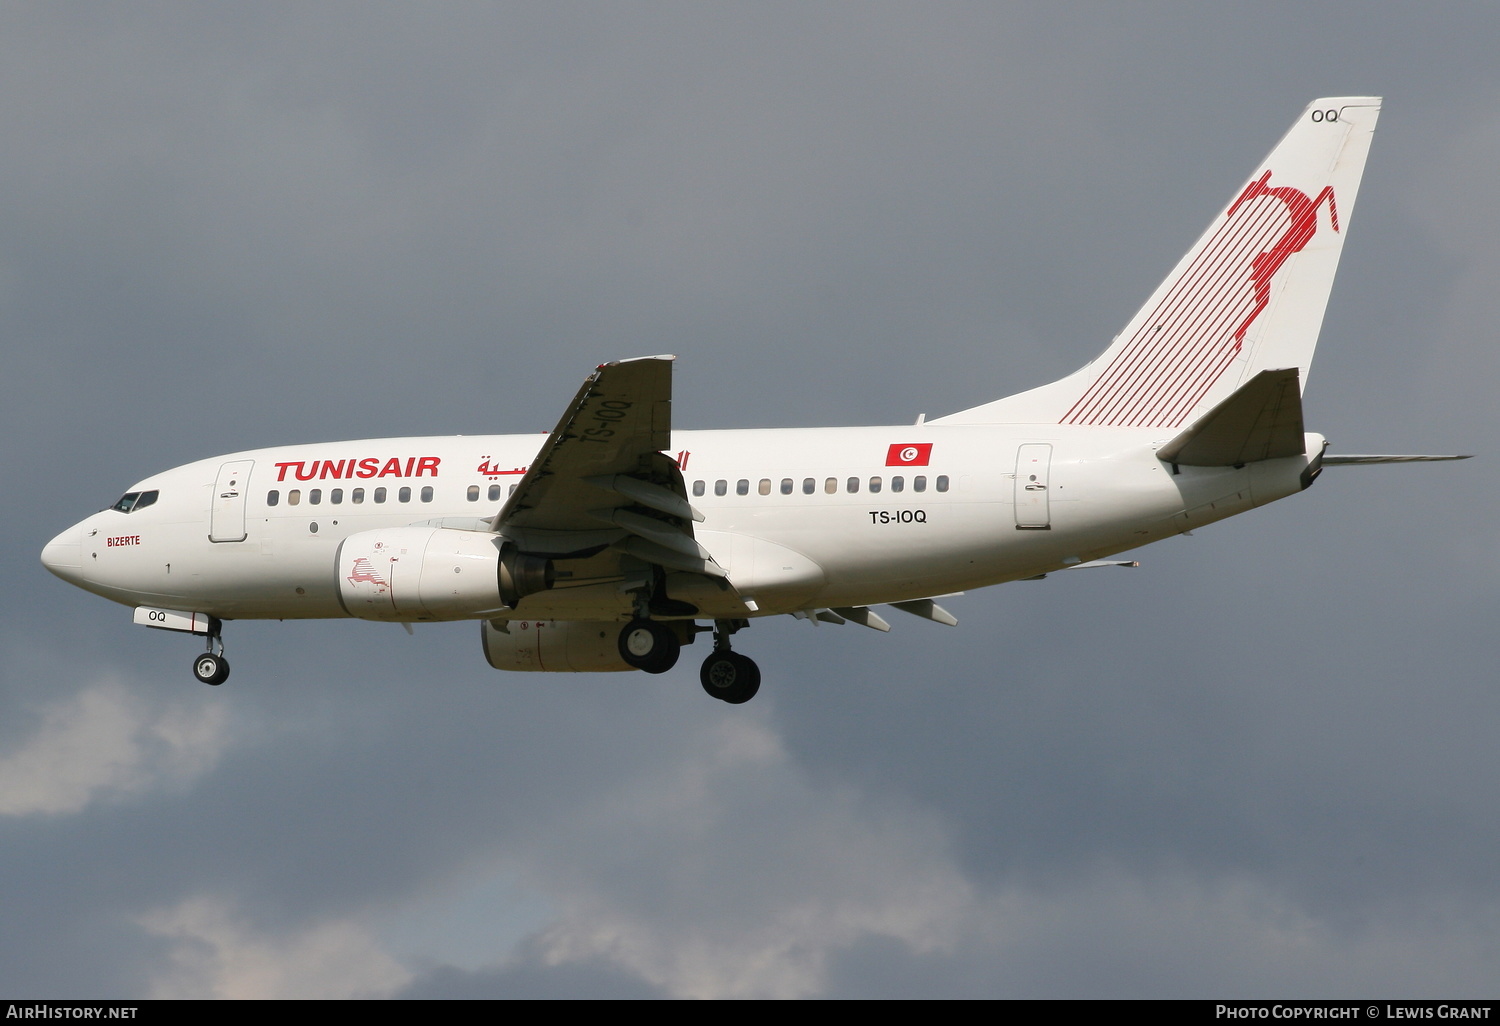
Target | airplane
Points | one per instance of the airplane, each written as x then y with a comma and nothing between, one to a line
619,539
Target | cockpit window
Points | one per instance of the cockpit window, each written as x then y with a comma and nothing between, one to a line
132,501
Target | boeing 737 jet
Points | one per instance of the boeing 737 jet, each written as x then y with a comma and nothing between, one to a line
620,539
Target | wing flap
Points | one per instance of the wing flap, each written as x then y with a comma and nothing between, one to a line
864,616
647,494
927,610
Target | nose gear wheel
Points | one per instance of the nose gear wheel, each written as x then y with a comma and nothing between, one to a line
211,667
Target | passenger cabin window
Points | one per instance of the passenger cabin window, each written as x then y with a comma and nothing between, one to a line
273,497
831,486
294,496
427,493
473,493
853,485
786,486
742,487
942,482
809,485
404,494
698,487
315,496
874,484
765,486
721,487
357,496
919,484
336,496
380,495
898,483
494,493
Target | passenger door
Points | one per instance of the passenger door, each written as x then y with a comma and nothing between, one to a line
230,488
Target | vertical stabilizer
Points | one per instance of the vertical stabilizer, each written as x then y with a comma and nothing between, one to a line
1248,297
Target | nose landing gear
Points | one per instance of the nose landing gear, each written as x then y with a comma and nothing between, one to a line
211,667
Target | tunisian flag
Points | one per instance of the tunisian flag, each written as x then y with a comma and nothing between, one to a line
912,454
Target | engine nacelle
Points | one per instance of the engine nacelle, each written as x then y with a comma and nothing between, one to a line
562,646
435,573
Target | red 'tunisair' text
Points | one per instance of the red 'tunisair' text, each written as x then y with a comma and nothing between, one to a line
372,466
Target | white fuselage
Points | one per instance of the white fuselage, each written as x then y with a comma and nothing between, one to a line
820,520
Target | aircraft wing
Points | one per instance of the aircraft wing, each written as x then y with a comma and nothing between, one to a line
601,479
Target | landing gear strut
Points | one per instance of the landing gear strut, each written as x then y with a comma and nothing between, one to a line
211,667
649,645
727,675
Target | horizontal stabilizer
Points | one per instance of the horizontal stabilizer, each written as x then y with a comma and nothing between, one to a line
1261,420
1350,461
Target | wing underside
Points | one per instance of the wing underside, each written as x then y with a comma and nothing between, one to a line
602,494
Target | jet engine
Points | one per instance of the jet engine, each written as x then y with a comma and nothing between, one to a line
435,573
576,646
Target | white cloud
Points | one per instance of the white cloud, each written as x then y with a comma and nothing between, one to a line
104,742
1107,933
730,875
217,955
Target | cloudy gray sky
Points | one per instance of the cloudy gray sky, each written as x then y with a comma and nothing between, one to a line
1262,764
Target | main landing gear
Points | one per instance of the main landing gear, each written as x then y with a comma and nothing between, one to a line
727,675
211,667
649,645
653,646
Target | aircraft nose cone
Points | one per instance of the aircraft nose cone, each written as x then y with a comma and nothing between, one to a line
63,555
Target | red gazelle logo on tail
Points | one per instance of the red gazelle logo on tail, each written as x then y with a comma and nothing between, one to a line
1304,216
1182,344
